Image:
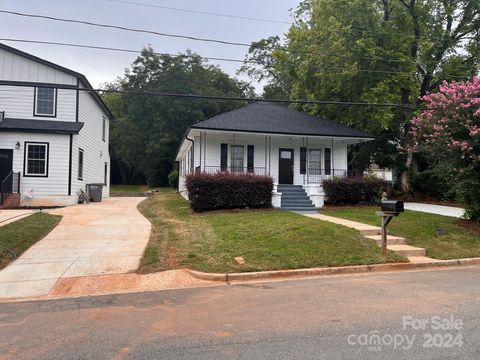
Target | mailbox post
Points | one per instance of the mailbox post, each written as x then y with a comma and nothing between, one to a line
389,210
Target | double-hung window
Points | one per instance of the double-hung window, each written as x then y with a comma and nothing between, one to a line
237,157
314,162
36,159
45,101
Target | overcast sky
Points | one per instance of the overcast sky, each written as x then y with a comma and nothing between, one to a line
101,66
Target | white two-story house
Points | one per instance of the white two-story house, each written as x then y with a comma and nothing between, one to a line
53,132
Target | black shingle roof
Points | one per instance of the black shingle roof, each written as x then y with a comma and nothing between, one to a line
275,119
41,126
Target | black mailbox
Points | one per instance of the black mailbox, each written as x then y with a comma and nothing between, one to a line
392,206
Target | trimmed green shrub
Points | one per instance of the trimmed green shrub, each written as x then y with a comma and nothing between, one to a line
228,191
173,179
356,190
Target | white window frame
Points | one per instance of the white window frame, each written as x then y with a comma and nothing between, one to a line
27,159
54,109
82,167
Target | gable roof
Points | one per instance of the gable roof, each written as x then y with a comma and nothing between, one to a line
79,76
41,126
275,119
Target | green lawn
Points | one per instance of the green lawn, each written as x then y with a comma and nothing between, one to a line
439,235
128,188
18,236
267,239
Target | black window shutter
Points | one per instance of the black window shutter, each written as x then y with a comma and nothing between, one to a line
223,157
328,161
303,160
250,159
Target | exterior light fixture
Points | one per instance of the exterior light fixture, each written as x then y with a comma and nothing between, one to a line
17,145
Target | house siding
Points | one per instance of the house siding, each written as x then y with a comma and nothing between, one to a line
89,139
18,102
14,67
56,184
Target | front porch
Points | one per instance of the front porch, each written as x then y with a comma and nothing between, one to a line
302,162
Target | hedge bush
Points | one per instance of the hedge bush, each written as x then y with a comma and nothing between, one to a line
358,190
228,191
173,178
436,183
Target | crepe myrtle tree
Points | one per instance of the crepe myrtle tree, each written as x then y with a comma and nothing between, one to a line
449,129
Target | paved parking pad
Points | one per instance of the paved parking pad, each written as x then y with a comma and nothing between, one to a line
95,239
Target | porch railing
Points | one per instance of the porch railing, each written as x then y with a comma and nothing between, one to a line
9,185
317,176
231,169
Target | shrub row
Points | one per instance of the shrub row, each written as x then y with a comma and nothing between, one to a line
357,190
229,191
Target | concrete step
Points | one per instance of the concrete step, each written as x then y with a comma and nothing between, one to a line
299,208
421,259
391,240
297,201
369,231
407,250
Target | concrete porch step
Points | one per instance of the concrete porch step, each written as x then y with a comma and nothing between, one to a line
391,240
311,208
407,250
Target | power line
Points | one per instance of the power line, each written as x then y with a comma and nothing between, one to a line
199,12
216,97
95,47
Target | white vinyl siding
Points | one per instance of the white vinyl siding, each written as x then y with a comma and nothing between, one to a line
14,67
90,139
56,184
18,102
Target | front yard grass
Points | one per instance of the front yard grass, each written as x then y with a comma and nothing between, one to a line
441,236
128,188
267,239
18,236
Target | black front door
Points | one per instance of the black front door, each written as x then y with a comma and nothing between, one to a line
6,163
285,166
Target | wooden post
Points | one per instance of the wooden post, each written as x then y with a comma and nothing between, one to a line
384,236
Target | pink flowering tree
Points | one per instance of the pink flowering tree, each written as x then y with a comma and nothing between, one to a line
449,130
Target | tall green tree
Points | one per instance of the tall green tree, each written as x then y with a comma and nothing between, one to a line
147,129
377,51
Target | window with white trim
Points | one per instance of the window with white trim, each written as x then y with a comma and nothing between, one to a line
45,101
36,159
80,164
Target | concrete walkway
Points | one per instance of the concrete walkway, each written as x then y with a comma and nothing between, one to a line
435,209
394,243
95,239
9,216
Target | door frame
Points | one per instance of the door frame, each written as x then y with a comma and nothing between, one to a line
292,151
11,158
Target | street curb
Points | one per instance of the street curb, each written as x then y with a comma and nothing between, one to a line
356,269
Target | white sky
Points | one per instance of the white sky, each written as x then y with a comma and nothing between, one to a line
101,66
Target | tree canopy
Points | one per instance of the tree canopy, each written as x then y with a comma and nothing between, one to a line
148,129
380,51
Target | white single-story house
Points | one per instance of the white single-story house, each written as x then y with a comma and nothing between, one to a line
297,150
54,132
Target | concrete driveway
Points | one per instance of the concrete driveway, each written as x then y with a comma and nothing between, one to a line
9,216
99,238
436,209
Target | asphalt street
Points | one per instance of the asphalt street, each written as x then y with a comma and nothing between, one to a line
407,315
